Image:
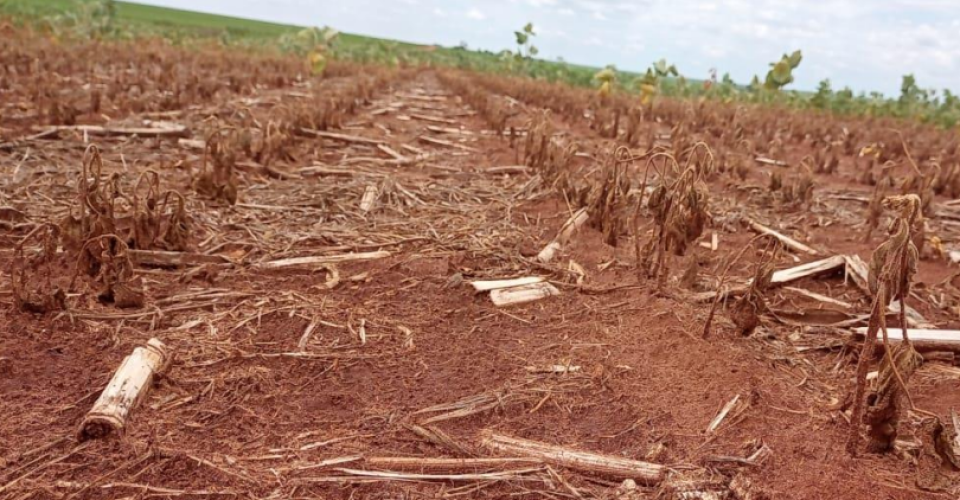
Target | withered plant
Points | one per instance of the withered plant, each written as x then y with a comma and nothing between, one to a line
923,184
146,219
271,142
96,207
825,161
776,182
800,191
106,259
680,208
141,217
635,119
947,439
892,267
156,224
536,146
607,121
875,205
918,183
489,107
748,308
864,166
31,277
939,446
947,182
217,178
550,159
761,285
174,231
609,211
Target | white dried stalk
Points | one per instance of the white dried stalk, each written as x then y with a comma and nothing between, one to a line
487,285
370,195
522,294
126,390
323,259
573,224
786,240
715,423
604,465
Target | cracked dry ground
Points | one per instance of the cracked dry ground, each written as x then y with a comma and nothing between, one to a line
291,382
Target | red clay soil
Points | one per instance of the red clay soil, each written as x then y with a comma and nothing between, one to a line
243,411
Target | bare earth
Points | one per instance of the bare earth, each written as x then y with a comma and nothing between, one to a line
297,381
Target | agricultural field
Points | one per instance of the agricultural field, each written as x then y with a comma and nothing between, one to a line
228,274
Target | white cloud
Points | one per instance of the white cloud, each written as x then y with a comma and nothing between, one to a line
714,51
594,41
475,13
867,45
634,47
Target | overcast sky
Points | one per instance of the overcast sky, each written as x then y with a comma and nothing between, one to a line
865,44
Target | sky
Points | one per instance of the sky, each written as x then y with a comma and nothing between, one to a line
864,44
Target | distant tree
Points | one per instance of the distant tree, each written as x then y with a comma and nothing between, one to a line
843,100
823,96
910,93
